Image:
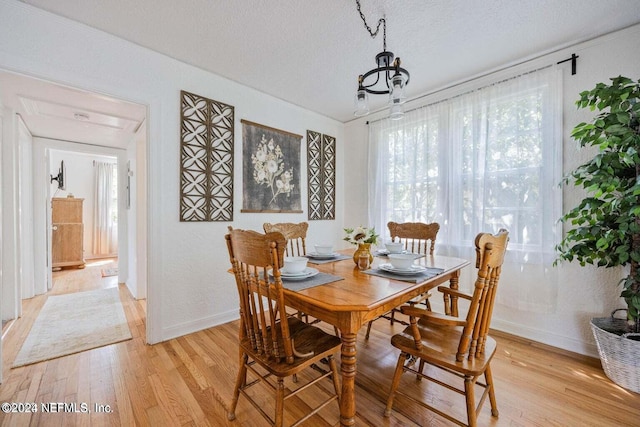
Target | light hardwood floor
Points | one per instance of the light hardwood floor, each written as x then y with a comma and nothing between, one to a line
188,381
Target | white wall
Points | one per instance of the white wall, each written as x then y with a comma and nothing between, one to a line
27,279
11,247
189,287
583,293
136,169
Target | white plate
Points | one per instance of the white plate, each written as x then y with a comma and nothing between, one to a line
322,256
304,272
386,252
308,272
415,269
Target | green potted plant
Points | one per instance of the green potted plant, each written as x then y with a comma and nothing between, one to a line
605,226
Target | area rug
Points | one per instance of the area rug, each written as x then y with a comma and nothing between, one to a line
73,323
106,272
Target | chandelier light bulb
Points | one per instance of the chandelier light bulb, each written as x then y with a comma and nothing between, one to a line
396,111
361,103
396,91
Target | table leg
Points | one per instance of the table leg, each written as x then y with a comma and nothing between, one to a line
348,370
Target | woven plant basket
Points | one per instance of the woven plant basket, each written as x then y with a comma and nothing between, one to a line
620,356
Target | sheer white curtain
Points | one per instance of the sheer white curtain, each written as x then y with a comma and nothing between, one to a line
105,228
480,161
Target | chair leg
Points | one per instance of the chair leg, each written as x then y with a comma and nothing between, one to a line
279,422
469,385
427,304
240,382
393,315
395,382
420,369
337,332
366,337
335,376
492,394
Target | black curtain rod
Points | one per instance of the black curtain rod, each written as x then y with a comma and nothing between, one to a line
573,72
573,62
464,93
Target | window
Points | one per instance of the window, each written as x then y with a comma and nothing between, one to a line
478,162
105,221
502,169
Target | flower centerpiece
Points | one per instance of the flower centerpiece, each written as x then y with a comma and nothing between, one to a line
364,237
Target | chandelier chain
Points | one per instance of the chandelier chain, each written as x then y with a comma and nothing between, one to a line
375,33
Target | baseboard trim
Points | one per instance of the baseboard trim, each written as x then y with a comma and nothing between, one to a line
590,359
199,325
546,337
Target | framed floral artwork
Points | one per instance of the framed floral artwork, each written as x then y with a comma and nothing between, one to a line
271,169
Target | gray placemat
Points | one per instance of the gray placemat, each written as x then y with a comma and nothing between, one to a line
414,278
326,261
317,280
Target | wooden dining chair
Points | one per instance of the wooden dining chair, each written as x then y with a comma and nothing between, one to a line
296,236
294,233
416,237
461,347
280,345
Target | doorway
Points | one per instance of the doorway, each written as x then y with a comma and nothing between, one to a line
48,117
85,209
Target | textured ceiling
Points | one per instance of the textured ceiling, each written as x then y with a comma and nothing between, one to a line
310,52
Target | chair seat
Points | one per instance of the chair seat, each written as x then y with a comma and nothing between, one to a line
306,338
440,345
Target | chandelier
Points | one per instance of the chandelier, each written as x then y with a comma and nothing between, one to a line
387,78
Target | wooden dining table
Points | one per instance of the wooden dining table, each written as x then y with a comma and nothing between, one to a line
351,303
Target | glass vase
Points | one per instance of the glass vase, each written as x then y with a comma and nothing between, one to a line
363,249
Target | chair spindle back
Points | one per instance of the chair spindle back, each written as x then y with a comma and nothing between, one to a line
417,237
490,252
294,233
256,260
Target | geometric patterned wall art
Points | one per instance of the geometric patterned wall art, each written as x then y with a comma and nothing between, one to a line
270,169
206,159
321,175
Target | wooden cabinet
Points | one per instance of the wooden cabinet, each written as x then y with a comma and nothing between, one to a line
68,233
